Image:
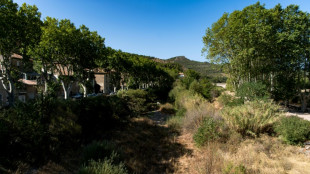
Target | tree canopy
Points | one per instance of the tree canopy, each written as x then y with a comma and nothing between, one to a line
266,45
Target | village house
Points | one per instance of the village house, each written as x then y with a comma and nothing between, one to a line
29,83
102,81
25,88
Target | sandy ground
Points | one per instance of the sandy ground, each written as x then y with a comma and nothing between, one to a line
305,116
223,85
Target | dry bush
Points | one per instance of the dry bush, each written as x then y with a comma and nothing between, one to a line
252,118
197,108
167,108
207,159
196,113
267,155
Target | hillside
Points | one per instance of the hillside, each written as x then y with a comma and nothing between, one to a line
204,68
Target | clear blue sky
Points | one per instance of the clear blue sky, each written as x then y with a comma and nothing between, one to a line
159,28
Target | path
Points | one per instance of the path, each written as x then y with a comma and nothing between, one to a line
149,145
158,117
305,116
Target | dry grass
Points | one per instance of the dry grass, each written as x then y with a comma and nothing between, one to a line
149,148
167,108
202,160
252,118
268,155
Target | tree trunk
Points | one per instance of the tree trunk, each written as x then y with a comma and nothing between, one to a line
84,90
303,101
11,93
45,87
66,89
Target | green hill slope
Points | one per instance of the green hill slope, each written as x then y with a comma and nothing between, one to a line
204,68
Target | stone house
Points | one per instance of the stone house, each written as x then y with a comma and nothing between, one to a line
102,81
26,88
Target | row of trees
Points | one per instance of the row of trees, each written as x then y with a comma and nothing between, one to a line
135,70
59,47
264,45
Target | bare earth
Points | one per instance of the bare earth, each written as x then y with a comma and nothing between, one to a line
305,116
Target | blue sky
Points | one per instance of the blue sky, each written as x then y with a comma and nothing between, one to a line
159,28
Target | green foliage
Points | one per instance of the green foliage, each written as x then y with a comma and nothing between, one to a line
252,118
176,120
250,91
203,87
137,70
41,130
229,100
98,150
19,31
266,45
217,79
136,100
106,166
293,130
98,114
232,169
189,77
209,130
206,69
36,131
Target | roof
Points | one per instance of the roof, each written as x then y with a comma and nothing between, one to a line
28,82
100,70
17,56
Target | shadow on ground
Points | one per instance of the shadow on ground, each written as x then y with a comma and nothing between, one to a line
149,147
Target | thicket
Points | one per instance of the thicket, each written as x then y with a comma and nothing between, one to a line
293,130
208,131
250,91
192,107
47,128
102,157
106,166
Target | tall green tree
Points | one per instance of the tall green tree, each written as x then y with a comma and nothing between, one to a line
89,55
19,31
263,45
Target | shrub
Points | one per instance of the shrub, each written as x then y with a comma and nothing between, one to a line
202,87
252,118
136,100
293,130
96,115
106,166
232,169
167,108
37,131
175,122
46,128
209,130
229,100
189,77
251,91
98,150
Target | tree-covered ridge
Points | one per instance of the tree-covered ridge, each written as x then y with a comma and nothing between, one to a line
264,45
206,69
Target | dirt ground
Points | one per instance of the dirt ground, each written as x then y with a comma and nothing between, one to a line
305,116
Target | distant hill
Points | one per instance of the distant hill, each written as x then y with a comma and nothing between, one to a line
204,68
